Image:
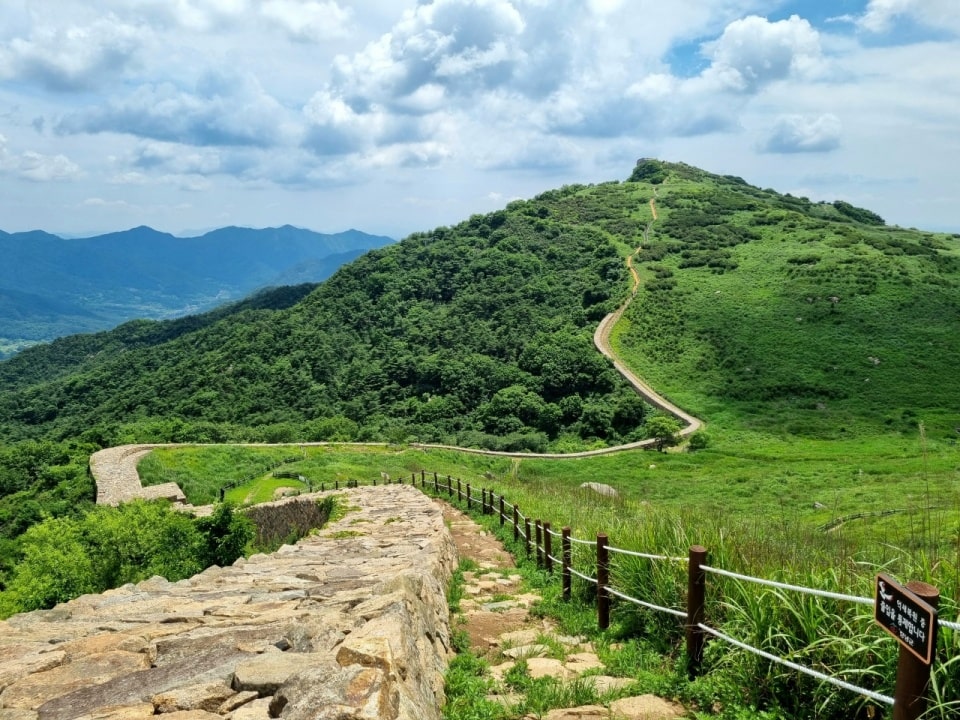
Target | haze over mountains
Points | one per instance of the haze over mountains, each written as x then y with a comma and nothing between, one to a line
51,286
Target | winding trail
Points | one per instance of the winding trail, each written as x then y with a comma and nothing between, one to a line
115,469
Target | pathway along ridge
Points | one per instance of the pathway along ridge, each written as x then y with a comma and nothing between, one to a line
115,469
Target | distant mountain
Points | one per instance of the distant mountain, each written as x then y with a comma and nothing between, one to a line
51,286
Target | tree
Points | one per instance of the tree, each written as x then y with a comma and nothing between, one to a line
664,429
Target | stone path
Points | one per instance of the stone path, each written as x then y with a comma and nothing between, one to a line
495,612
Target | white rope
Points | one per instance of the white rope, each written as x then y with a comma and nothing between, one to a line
556,560
800,668
785,586
582,576
648,556
948,624
552,532
582,542
671,611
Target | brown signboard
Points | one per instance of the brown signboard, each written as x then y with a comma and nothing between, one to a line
911,620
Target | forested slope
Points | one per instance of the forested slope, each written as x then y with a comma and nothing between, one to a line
463,335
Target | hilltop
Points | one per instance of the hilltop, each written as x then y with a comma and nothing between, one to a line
757,308
52,287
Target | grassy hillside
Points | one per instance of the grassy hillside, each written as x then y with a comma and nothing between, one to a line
771,312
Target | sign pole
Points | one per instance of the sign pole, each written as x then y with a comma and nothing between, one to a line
913,675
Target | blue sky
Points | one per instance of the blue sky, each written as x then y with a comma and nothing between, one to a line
394,116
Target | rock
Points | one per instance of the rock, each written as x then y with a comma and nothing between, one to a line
548,667
34,690
206,696
265,673
600,489
585,712
645,707
579,663
255,710
140,711
526,651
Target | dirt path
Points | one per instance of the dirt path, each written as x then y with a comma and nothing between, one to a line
495,613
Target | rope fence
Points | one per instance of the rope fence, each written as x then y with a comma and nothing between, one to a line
538,535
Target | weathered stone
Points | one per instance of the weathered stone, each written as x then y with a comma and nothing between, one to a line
236,701
205,696
600,489
34,690
548,667
255,710
585,712
644,707
269,624
579,663
140,711
526,651
215,665
264,674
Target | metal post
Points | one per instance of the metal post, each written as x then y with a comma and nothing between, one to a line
565,546
539,537
526,535
516,523
547,547
603,578
502,517
696,600
913,675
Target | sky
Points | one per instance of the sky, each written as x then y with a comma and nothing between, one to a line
395,116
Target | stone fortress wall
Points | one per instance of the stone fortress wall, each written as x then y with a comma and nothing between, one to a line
349,623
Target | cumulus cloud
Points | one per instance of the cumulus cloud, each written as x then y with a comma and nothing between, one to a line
35,166
223,110
307,20
881,15
754,52
71,58
804,134
460,46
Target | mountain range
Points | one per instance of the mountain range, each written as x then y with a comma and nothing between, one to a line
51,286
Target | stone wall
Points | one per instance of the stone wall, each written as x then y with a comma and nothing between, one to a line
349,624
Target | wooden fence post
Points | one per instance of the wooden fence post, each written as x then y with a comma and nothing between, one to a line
516,523
526,535
502,518
449,486
565,556
468,496
423,478
696,600
436,485
483,501
539,539
603,579
913,675
547,547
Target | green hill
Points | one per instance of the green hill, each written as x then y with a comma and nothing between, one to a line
758,309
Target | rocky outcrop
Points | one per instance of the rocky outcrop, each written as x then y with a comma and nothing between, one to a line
350,623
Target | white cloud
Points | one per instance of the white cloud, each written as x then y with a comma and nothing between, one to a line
71,58
802,133
222,110
754,52
307,20
881,16
36,167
